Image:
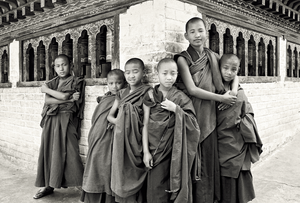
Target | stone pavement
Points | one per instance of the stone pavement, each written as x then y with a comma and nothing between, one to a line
276,180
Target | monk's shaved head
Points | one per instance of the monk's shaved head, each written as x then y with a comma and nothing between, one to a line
227,57
165,61
136,61
194,20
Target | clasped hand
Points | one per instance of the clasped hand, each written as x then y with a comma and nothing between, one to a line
168,105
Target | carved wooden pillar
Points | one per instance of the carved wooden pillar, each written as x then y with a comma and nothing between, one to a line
247,38
274,58
34,46
256,40
221,35
60,40
266,57
24,69
234,40
46,43
75,35
293,61
92,50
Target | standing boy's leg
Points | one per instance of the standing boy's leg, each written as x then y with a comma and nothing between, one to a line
158,182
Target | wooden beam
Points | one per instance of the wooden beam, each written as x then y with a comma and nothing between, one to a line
13,3
10,17
26,11
60,2
18,14
3,21
35,7
46,4
275,8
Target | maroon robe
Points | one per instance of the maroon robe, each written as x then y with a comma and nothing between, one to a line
128,169
239,145
59,163
205,72
97,172
173,140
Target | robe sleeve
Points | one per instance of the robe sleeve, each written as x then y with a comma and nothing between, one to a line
186,139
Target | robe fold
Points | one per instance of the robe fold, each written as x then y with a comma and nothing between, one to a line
239,146
173,140
205,72
128,169
59,163
97,172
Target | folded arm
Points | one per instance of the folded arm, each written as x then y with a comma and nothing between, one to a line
112,113
196,91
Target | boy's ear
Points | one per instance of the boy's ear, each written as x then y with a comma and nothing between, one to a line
185,36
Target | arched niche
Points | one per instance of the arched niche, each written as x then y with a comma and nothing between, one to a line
214,40
30,63
84,67
251,57
240,47
67,47
41,62
228,42
52,53
295,63
270,58
289,62
261,58
4,67
103,52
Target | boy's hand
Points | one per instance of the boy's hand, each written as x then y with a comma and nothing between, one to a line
223,106
228,99
76,96
233,93
148,160
169,105
44,88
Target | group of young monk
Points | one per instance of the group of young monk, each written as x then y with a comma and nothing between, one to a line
191,138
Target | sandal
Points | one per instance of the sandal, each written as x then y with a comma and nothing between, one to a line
43,192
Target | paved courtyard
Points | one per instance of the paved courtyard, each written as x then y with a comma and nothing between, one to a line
276,180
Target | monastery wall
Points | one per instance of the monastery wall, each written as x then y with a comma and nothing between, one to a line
158,33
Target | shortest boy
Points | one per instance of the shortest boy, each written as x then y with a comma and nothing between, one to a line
97,172
59,163
238,140
170,138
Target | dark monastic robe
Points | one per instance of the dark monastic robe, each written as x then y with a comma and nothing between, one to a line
205,72
239,145
97,172
128,169
59,163
173,140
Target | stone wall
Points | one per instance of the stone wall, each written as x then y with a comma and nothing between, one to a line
151,30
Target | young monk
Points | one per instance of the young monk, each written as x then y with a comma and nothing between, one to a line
97,172
170,132
59,163
238,139
200,78
128,171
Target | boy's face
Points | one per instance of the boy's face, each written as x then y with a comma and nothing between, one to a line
133,74
196,33
62,67
114,83
167,74
229,69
